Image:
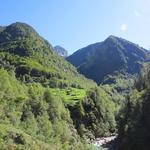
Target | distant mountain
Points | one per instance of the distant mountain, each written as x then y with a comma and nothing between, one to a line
2,28
61,51
113,55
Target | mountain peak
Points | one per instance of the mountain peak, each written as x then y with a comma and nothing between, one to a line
17,31
113,55
24,40
61,51
21,26
112,38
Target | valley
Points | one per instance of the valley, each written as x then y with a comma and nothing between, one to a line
52,101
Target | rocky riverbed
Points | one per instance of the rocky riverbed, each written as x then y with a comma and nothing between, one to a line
104,142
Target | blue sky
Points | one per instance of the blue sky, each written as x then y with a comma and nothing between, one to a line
74,24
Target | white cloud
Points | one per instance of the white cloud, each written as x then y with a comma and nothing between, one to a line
137,13
124,27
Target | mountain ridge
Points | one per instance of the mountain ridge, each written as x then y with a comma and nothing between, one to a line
103,58
35,53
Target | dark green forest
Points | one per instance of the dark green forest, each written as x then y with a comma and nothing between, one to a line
135,118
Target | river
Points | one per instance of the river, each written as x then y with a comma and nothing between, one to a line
104,142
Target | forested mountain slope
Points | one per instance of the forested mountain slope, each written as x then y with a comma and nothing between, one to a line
44,102
134,131
113,55
22,48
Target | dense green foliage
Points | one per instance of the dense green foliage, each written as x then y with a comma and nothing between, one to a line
118,86
94,116
33,59
134,129
44,102
32,118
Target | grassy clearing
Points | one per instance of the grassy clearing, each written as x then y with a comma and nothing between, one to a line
70,95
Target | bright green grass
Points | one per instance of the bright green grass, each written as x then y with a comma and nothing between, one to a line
70,95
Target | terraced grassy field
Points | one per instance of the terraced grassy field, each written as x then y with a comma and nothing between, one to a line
70,95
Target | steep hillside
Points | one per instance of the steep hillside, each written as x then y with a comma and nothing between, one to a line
44,102
29,54
61,51
134,131
114,55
